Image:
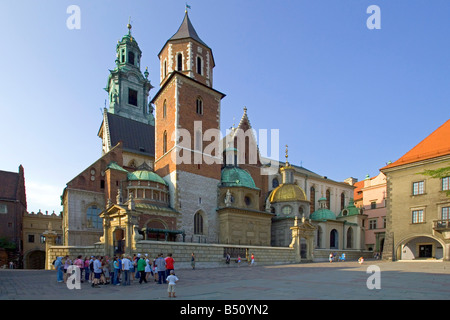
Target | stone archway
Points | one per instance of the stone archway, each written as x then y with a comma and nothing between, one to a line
35,260
119,241
420,247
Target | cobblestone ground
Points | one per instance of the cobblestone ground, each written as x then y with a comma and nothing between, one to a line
328,281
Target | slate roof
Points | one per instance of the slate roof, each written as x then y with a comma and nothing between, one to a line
435,145
136,136
186,30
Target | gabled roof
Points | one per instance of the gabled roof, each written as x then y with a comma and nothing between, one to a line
136,136
186,30
435,145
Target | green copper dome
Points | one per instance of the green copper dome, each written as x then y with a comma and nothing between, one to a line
236,177
323,213
145,175
351,209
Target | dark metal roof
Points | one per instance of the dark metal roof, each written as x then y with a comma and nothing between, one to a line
136,136
187,30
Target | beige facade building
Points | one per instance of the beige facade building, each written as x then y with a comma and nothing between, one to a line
417,220
34,226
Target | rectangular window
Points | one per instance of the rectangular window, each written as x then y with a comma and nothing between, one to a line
418,188
132,97
31,238
417,216
3,208
446,183
373,205
445,214
372,224
384,223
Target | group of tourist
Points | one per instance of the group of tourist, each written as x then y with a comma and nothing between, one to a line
99,270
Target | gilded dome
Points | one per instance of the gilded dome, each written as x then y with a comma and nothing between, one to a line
288,192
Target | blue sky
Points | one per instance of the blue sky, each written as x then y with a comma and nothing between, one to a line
346,99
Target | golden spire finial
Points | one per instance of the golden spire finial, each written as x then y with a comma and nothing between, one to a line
287,162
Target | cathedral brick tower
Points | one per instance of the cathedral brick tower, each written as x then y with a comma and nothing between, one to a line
186,107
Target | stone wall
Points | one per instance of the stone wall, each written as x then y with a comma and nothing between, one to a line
213,255
206,255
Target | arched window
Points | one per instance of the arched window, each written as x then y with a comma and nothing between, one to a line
93,220
328,196
179,62
275,183
165,109
342,201
199,109
319,237
165,142
198,223
312,198
350,238
199,65
131,57
334,239
164,68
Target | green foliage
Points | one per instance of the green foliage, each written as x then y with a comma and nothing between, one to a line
6,244
438,174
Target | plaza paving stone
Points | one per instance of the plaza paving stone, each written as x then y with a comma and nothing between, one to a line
424,280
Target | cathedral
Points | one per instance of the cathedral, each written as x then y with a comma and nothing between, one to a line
159,177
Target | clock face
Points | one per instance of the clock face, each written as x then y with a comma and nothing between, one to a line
92,171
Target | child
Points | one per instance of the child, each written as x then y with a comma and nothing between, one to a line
360,260
171,279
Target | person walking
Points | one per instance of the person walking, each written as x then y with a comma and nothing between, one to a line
161,265
193,261
80,265
252,263
169,264
141,269
228,259
172,279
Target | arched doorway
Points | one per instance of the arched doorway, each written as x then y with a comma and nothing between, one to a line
36,260
350,238
334,239
420,247
119,241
